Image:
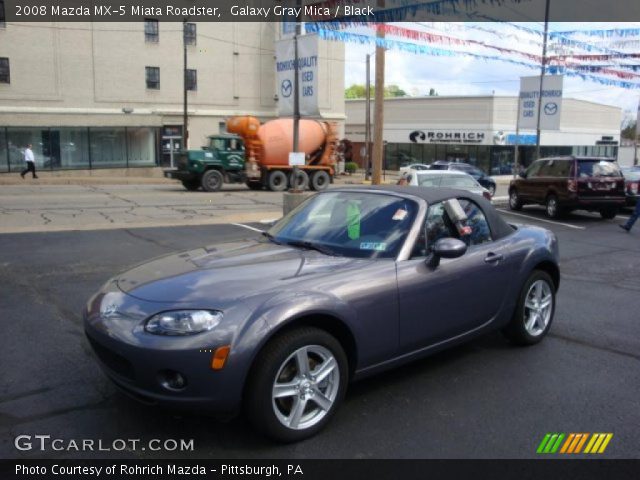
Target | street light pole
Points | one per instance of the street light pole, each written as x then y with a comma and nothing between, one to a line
185,119
542,72
378,114
296,103
367,135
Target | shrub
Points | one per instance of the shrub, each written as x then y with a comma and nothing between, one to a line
350,167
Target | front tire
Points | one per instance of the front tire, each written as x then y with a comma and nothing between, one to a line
492,190
277,181
296,384
212,181
301,182
553,210
534,312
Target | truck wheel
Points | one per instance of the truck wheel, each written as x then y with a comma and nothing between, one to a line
254,185
301,182
277,181
212,181
320,180
191,185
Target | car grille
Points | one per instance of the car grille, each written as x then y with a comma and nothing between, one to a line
112,360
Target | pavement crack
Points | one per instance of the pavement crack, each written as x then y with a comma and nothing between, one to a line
594,346
150,240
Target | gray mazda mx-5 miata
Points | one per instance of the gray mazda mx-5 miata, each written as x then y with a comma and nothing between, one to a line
352,282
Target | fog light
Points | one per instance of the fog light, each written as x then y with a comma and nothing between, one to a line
172,380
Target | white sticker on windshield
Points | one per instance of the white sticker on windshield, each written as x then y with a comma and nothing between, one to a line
400,214
377,246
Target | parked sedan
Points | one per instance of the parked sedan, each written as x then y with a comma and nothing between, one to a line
445,179
351,283
482,178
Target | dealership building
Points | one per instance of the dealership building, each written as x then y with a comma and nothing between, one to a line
92,95
480,130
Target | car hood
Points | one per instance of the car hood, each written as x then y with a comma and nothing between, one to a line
225,273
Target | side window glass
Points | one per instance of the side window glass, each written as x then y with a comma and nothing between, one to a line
477,222
545,168
533,170
437,226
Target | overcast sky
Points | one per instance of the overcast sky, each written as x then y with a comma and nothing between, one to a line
459,75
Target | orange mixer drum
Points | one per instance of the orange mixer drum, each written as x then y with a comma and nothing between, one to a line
277,139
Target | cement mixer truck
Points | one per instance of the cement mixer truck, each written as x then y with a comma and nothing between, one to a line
258,155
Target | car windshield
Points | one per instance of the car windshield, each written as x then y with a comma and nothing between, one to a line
631,174
429,180
350,224
458,181
598,168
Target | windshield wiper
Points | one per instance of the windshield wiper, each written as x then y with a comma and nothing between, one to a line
313,246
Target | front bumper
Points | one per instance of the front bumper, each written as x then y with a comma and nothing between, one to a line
182,175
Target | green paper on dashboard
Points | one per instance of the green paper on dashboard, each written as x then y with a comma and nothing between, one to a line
353,220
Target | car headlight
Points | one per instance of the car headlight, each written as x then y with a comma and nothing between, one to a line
183,322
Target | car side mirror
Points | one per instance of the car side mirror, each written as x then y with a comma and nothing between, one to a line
446,248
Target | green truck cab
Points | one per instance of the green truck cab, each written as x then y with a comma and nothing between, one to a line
222,161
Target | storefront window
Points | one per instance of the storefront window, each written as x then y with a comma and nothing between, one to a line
429,153
108,147
70,147
141,145
482,159
17,141
417,151
502,161
4,162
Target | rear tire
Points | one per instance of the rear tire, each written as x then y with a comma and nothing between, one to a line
301,182
277,181
307,358
191,185
531,320
514,200
320,180
212,181
608,213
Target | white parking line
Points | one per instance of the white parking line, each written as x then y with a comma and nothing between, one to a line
541,219
247,226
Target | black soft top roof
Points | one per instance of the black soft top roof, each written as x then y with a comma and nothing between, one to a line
499,228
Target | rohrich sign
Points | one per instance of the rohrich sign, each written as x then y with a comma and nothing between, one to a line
447,136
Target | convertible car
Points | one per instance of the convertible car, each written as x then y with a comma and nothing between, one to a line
352,282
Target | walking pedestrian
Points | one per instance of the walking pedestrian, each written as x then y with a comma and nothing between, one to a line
634,216
30,161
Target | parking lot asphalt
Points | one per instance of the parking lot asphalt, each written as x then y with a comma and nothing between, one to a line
485,399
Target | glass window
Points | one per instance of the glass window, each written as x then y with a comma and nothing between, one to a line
153,77
559,168
190,33
192,80
151,31
5,72
69,147
429,154
534,168
141,146
17,141
598,168
545,169
458,181
429,180
4,151
108,147
480,231
438,225
353,224
483,158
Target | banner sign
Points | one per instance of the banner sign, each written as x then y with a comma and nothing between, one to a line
551,102
307,75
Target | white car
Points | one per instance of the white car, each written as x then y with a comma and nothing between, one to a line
446,179
417,167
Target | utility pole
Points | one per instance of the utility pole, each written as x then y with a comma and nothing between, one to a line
517,142
542,72
367,135
185,119
378,114
635,139
296,103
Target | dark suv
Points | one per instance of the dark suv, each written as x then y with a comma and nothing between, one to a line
563,184
481,177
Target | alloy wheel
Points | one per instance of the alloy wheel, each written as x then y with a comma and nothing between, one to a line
305,387
538,307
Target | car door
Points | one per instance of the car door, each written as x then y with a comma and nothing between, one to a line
527,186
460,294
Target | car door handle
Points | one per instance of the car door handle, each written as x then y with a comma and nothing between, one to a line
493,257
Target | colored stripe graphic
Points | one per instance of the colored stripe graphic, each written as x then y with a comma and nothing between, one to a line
574,443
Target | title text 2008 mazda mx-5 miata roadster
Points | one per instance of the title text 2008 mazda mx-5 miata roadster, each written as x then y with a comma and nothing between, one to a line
352,282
